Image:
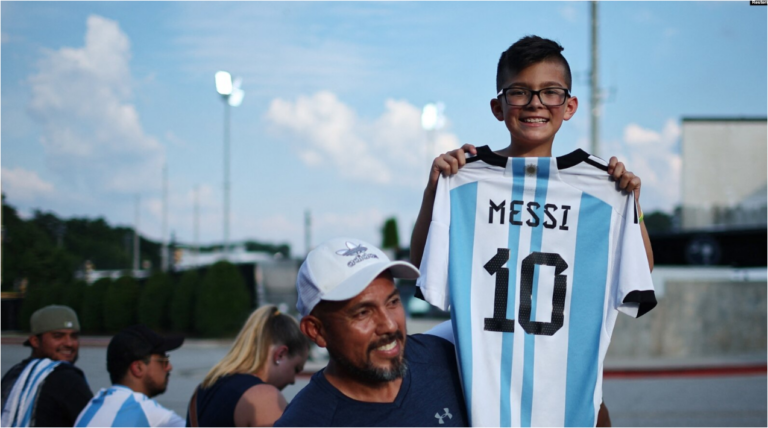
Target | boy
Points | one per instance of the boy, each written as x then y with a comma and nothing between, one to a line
534,255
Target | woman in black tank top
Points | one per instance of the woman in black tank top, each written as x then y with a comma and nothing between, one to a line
243,389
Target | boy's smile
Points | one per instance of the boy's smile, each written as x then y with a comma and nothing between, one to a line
533,127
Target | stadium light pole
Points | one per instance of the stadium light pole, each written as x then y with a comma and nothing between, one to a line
232,96
594,85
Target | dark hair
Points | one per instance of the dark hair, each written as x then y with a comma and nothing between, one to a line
528,51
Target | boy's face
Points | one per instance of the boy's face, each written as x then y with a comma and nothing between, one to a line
533,127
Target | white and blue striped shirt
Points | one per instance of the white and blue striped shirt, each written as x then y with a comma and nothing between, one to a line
534,257
119,406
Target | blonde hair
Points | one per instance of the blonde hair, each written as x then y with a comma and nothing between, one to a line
250,352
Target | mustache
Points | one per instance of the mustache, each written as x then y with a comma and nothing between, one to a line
398,335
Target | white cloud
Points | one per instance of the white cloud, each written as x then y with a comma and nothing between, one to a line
91,134
23,185
634,134
653,156
391,149
569,13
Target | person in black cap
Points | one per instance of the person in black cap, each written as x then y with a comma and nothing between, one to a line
139,368
56,391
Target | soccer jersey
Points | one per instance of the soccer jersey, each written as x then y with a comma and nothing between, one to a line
534,257
119,406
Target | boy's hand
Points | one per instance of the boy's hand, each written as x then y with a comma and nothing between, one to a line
626,180
449,163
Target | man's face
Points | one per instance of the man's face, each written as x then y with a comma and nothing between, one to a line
533,127
366,335
58,345
158,373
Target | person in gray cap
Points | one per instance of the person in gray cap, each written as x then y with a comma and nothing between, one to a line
377,375
46,389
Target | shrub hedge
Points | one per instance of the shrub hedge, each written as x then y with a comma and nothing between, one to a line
223,302
92,315
120,304
154,301
182,307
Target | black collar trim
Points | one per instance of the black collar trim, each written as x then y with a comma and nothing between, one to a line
485,154
572,159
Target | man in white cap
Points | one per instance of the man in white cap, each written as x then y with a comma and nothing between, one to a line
376,375
46,389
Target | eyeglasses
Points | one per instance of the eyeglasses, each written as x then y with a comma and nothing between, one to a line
163,361
521,97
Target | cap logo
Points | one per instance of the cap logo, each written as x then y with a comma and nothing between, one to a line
68,324
356,251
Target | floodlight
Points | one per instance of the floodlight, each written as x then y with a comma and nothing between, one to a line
429,117
236,98
432,117
223,83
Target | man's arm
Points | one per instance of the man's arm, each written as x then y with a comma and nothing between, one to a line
446,164
603,418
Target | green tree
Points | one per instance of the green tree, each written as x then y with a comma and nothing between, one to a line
223,302
390,236
54,295
183,302
154,301
92,315
74,295
657,221
120,304
33,299
30,253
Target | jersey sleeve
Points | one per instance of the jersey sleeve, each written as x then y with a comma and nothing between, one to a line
632,279
433,281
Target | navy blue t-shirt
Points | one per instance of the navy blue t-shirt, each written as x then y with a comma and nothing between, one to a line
430,394
216,404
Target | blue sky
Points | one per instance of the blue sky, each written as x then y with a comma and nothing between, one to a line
97,96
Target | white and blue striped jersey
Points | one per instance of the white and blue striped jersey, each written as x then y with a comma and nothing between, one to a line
534,257
119,406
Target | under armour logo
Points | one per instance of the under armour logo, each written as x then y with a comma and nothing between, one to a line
447,413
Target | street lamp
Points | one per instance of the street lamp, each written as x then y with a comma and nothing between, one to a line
233,96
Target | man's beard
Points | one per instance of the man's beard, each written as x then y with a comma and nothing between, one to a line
368,373
155,389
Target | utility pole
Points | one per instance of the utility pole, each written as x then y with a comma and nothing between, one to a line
595,89
197,222
226,180
136,253
2,233
307,232
164,256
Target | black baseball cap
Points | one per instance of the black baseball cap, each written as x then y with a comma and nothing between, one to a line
135,343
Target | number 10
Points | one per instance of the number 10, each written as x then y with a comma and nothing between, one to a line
499,322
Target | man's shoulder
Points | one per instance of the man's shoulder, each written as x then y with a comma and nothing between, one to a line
314,405
66,376
427,346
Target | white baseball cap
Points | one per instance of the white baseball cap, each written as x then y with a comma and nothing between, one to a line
340,269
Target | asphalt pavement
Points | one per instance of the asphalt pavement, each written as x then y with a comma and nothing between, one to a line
651,392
